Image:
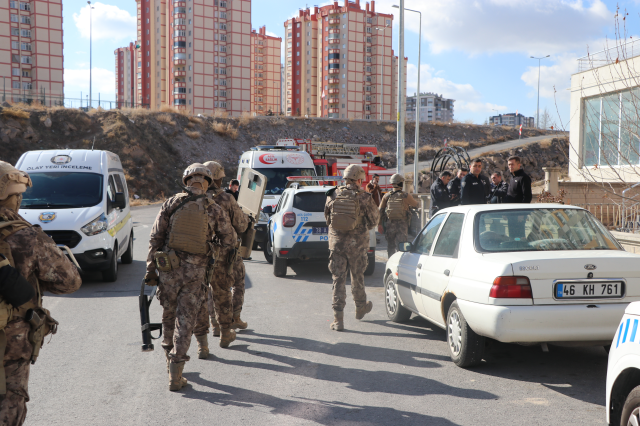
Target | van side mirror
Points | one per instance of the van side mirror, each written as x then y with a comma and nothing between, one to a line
120,202
404,247
268,210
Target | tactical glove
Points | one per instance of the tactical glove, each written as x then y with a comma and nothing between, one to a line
14,288
151,279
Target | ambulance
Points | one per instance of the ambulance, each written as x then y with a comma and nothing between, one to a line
80,199
276,163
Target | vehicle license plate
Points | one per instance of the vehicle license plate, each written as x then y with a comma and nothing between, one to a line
595,290
320,230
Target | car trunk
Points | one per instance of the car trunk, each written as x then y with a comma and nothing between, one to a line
561,277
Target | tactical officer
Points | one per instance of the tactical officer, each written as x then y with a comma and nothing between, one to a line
395,214
36,258
475,187
499,189
454,186
440,197
350,213
181,247
239,221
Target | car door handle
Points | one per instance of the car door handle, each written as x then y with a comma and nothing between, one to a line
419,265
447,272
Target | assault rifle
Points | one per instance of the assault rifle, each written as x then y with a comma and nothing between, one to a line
147,327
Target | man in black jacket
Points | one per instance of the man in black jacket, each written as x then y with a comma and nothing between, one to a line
499,189
519,184
475,187
440,198
454,186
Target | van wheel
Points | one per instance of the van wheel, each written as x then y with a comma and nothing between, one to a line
279,265
127,256
268,250
371,266
631,408
466,348
111,274
395,311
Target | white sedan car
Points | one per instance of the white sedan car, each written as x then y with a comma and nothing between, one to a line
534,273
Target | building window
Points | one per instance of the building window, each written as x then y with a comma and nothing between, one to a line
14,18
26,46
15,71
15,84
26,86
15,31
388,21
15,45
13,4
25,6
26,59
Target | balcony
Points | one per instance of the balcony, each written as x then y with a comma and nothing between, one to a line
180,84
179,3
177,38
334,100
178,74
180,96
333,11
334,31
333,21
179,62
179,15
333,110
334,51
334,61
334,41
332,91
179,49
334,71
334,81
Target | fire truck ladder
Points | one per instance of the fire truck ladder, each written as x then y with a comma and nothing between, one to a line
339,149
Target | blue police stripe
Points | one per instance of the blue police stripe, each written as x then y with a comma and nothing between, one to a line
305,238
624,338
633,332
298,228
619,334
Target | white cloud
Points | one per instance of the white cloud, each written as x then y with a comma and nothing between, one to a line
103,82
109,22
467,98
269,33
490,26
556,75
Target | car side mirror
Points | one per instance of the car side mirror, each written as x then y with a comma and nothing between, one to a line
404,247
267,210
120,202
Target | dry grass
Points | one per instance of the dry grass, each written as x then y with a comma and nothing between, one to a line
389,128
190,125
232,132
167,108
463,144
277,121
94,111
245,119
225,129
16,113
440,123
192,134
220,113
195,120
545,143
142,202
166,119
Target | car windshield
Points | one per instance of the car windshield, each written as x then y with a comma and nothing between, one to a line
277,178
63,190
309,201
541,229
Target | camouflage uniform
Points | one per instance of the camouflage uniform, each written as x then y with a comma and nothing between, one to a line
38,259
239,221
348,249
396,231
181,291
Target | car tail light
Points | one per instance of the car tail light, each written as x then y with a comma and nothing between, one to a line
289,219
370,251
284,252
511,288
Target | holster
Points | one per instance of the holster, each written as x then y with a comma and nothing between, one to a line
210,268
42,324
167,261
231,258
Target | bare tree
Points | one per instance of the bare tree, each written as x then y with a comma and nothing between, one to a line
545,119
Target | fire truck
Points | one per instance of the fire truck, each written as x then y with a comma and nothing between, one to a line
330,158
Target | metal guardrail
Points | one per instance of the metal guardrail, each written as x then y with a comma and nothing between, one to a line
615,216
617,53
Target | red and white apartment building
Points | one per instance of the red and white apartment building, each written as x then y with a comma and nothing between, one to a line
199,55
339,63
126,86
265,72
31,62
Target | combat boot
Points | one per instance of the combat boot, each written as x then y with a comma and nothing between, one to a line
238,323
166,354
361,311
337,324
176,381
216,329
203,347
227,335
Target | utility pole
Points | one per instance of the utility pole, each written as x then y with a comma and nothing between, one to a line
90,53
538,108
400,115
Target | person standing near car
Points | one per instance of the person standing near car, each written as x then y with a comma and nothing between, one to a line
373,188
395,214
350,214
475,187
440,197
519,184
30,264
454,186
498,190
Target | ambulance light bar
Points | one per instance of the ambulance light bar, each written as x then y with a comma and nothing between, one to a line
313,178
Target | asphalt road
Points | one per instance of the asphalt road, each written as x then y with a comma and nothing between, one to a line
476,152
289,368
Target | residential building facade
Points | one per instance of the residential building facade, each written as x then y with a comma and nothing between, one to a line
512,119
126,81
339,63
151,67
265,72
433,107
31,51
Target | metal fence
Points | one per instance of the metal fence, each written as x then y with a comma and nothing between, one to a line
28,97
616,216
610,55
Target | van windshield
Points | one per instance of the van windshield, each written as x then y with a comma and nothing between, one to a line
63,190
277,178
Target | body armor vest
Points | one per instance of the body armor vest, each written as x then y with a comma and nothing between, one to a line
395,207
345,212
189,226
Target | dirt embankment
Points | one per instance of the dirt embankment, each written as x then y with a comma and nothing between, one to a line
155,147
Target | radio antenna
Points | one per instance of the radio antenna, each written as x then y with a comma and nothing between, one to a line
94,142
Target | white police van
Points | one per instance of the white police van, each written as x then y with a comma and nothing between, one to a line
297,229
80,199
276,163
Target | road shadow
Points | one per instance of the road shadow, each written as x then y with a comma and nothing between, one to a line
318,411
417,326
318,272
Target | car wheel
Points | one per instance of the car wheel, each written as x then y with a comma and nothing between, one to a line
395,311
371,266
127,256
631,408
466,348
279,265
268,250
111,274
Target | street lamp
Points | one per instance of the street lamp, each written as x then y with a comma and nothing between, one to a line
415,158
538,108
90,53
401,93
380,83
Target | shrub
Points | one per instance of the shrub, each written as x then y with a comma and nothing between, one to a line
389,128
277,121
220,113
545,143
463,144
192,134
195,120
232,132
17,113
245,118
167,108
220,128
190,125
165,118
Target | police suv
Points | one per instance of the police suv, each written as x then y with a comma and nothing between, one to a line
297,229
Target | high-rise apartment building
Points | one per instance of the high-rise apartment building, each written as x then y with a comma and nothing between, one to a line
433,107
126,81
265,72
339,63
31,51
151,67
512,119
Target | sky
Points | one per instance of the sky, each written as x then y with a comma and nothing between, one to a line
476,52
